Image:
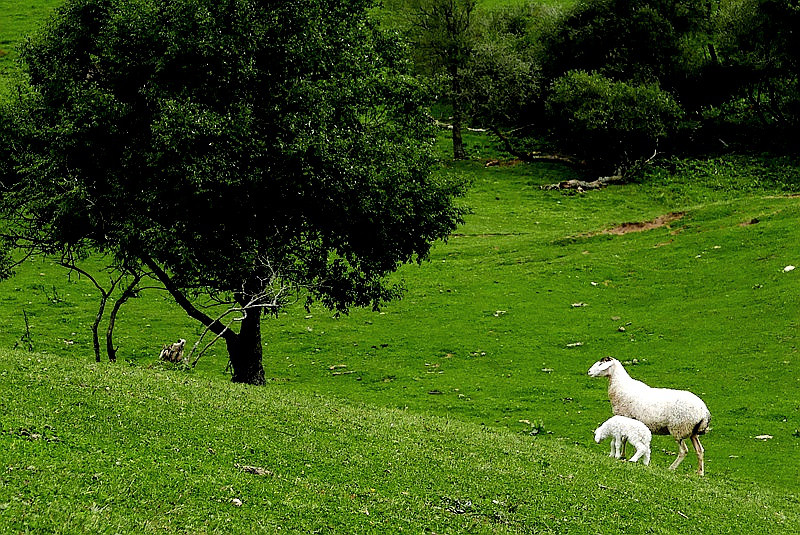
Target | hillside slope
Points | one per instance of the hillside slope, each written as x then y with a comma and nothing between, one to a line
116,448
484,332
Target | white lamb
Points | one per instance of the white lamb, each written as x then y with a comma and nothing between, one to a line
622,429
664,411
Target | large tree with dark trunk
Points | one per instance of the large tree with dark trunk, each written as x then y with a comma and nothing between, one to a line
242,151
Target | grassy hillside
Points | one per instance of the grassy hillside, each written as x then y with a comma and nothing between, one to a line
484,332
463,407
110,449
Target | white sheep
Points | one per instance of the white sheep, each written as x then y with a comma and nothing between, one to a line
664,411
622,429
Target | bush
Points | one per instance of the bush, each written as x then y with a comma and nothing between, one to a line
759,47
632,40
502,79
608,123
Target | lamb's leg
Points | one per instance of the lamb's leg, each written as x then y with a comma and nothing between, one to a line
640,450
698,448
683,449
613,447
622,448
646,460
619,448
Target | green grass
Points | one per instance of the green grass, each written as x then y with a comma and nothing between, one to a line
705,304
17,20
482,335
464,392
121,449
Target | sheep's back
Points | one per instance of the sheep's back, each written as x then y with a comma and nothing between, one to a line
664,411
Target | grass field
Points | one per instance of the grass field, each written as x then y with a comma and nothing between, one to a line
484,332
133,450
18,19
463,407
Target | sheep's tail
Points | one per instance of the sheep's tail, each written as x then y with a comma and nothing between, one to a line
702,426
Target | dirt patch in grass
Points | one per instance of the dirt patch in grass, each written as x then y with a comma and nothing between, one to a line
641,226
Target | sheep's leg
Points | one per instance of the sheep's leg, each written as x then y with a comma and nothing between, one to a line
646,460
624,443
640,450
698,448
683,449
617,448
613,448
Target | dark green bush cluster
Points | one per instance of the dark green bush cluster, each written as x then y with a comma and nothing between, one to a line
611,81
610,123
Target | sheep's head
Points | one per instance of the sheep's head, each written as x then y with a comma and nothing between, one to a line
598,434
602,367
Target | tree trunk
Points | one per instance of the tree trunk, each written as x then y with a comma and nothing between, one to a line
245,351
244,348
458,144
96,324
712,51
129,292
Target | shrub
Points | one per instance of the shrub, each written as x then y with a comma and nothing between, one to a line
639,40
608,123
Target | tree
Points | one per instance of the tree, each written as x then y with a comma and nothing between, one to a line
502,81
642,41
443,31
759,51
612,125
229,148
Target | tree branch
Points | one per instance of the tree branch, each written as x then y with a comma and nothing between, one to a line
68,261
271,295
603,181
129,292
213,325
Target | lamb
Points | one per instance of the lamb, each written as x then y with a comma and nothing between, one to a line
622,429
664,411
173,352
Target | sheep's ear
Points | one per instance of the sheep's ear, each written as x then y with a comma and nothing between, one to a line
606,359
598,368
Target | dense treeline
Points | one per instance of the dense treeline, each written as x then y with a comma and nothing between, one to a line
612,82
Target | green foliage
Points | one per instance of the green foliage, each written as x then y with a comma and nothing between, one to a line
608,122
230,145
502,84
443,32
110,449
443,35
759,50
638,40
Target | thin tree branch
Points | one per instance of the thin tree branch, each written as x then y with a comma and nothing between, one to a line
195,313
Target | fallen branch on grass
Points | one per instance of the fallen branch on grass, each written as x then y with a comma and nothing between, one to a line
620,176
582,185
